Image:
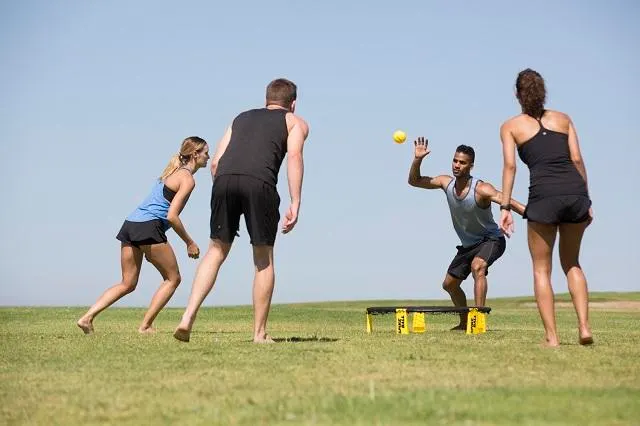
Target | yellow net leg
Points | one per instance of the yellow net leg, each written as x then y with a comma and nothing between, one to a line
476,322
482,322
369,324
418,325
401,322
472,321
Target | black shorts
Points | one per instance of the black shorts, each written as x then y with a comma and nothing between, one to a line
558,209
490,250
236,195
142,233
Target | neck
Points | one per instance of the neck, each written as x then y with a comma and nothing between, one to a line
462,181
190,167
273,106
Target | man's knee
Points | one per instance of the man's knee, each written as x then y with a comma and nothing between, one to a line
478,267
450,283
218,250
262,256
568,264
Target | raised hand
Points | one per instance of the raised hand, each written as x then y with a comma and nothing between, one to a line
421,147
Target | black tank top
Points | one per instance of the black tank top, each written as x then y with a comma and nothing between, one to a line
551,171
258,145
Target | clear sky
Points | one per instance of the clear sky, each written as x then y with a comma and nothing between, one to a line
97,96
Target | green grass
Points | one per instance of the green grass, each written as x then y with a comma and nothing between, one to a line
326,371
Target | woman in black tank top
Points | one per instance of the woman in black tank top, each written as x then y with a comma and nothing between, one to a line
559,201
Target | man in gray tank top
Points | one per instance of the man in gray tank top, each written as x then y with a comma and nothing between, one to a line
469,199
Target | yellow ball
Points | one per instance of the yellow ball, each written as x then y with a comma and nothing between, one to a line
399,136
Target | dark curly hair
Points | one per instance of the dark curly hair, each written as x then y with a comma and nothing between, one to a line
531,92
466,149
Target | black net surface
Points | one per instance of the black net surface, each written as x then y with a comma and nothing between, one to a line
378,310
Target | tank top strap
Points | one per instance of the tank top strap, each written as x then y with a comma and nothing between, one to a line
539,120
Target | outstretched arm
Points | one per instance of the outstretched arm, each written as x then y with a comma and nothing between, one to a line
490,193
415,178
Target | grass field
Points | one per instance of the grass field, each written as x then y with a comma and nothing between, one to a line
325,370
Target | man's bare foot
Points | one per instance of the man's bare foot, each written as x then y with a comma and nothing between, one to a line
146,330
85,325
459,327
265,339
182,334
550,343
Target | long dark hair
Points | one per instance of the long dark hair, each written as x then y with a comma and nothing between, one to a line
531,92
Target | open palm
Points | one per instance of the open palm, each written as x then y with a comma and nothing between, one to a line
421,147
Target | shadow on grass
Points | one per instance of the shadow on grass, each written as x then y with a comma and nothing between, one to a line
297,339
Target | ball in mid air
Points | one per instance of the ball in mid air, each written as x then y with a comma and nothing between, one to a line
399,136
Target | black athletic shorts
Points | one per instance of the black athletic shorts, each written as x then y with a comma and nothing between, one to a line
142,233
559,209
236,195
490,250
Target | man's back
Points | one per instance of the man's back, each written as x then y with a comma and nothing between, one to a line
257,146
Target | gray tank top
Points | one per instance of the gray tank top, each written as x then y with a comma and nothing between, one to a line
471,222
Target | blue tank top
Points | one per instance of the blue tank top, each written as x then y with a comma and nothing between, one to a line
472,223
155,206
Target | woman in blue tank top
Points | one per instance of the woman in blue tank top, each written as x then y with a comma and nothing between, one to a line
143,234
559,202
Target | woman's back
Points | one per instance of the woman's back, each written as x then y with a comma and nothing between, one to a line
543,145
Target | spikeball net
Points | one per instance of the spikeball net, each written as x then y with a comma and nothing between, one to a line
476,318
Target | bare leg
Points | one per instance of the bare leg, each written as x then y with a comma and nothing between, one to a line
541,240
130,261
570,241
451,285
479,272
164,259
203,282
263,283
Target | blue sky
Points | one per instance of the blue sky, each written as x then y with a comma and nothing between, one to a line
96,97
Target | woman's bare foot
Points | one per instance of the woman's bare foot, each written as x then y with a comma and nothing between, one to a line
182,334
85,325
585,336
550,342
146,330
265,339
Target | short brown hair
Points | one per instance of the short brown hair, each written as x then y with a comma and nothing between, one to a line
281,92
531,92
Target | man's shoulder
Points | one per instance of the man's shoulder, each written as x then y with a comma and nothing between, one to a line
484,188
293,120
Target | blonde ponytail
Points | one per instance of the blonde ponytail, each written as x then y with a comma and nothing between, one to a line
174,164
190,147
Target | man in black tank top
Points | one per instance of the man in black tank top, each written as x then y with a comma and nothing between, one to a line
245,173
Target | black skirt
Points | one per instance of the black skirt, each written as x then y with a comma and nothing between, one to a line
558,209
142,233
